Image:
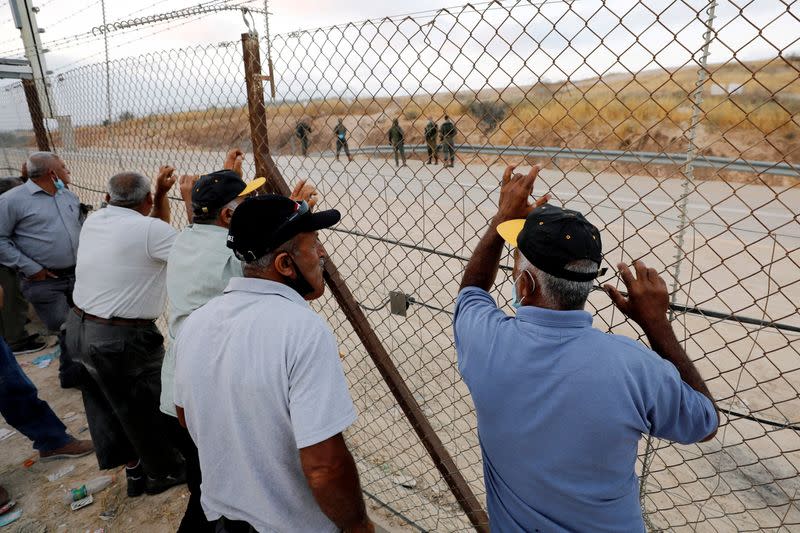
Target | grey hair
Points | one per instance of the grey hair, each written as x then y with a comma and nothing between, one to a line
39,164
560,293
211,216
127,189
266,261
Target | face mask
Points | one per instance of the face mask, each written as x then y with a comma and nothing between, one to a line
301,284
59,184
515,302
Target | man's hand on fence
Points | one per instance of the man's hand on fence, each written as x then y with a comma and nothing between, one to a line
515,190
185,184
305,191
233,160
648,299
165,180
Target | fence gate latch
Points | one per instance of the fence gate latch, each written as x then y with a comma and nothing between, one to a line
398,303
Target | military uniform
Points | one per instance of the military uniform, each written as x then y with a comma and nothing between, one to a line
448,135
302,132
341,140
397,140
431,132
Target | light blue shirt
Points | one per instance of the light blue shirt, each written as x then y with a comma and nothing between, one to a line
38,230
199,267
561,407
259,377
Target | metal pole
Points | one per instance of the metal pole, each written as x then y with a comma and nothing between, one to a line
108,67
691,152
688,179
24,15
266,167
37,118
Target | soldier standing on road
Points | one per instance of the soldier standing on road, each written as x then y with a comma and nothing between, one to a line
431,132
448,135
397,140
341,140
302,131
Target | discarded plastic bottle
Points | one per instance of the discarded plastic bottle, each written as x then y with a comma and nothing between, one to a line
90,487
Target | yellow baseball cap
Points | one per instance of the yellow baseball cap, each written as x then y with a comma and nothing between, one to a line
510,230
253,186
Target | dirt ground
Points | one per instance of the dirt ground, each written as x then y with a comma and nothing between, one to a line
40,499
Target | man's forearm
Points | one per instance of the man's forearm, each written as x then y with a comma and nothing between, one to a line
481,270
187,202
338,493
664,342
161,207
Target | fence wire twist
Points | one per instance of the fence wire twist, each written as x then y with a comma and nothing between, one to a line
624,76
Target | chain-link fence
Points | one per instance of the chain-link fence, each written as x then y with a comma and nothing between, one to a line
673,125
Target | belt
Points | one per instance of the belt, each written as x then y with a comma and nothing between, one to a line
113,321
69,271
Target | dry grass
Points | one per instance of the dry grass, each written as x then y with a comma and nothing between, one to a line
650,110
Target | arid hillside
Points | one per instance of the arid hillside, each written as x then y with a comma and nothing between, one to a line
748,110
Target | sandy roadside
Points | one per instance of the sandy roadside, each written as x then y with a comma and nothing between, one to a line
40,499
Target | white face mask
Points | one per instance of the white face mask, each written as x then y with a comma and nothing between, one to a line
515,302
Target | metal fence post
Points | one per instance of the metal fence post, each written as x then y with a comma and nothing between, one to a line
688,179
265,166
37,118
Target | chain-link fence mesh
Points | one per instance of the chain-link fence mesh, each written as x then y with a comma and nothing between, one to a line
692,169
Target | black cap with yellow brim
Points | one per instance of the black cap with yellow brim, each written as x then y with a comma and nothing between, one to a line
550,237
212,191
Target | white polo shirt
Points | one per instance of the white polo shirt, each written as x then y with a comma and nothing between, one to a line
258,375
122,263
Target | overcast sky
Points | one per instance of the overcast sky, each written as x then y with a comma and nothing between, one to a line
577,39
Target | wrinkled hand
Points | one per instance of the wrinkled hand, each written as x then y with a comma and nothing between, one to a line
305,191
165,180
515,190
186,183
42,275
648,299
233,160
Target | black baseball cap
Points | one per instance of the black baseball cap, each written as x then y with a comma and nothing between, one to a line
212,191
262,223
550,237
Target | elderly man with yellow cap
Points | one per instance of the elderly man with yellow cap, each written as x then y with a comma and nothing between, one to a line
562,405
199,267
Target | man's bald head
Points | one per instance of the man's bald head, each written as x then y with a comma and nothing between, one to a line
128,189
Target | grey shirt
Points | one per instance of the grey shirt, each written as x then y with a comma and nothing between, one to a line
258,375
38,230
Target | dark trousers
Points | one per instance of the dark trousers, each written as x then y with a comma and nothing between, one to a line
194,520
21,407
51,298
433,150
223,525
342,144
14,313
399,149
304,144
449,150
121,397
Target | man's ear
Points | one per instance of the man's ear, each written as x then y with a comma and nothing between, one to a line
284,265
225,216
528,286
108,198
